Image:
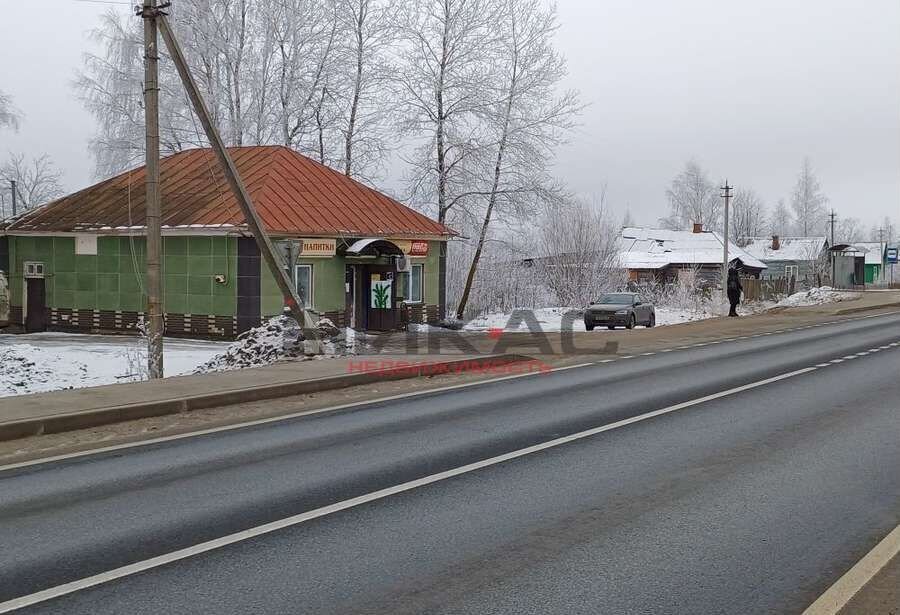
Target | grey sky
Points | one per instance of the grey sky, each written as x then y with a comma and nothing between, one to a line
747,88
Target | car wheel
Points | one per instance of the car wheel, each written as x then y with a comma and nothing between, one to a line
652,322
610,327
588,327
631,322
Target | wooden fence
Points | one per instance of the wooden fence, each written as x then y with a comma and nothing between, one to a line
770,289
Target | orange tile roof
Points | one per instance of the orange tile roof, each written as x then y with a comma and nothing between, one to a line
293,195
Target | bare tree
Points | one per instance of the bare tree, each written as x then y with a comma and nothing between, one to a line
693,199
443,82
848,230
883,231
628,220
748,216
780,222
368,29
529,119
37,182
808,201
9,117
579,252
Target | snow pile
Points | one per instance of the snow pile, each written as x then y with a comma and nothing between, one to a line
816,296
281,339
28,369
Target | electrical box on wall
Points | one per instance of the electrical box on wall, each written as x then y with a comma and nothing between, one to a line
220,279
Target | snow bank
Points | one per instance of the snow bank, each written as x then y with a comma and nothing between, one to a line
816,296
45,362
281,339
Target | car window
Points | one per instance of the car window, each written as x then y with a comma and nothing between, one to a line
617,298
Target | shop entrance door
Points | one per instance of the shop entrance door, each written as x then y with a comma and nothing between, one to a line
380,297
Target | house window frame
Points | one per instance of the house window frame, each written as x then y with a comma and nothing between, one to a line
309,303
420,286
792,268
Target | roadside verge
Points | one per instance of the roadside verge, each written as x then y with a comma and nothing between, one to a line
57,412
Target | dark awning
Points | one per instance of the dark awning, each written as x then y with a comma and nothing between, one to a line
374,247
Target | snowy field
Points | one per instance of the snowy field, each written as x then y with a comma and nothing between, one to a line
41,362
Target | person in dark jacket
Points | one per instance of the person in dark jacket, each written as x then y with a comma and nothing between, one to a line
734,291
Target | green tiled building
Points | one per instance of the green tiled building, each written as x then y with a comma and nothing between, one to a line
67,273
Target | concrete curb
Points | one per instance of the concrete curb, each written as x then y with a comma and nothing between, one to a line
371,370
868,308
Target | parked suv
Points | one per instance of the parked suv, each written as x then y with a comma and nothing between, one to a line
619,309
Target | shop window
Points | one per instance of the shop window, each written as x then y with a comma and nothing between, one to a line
415,283
303,281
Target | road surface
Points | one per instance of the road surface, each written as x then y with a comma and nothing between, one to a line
737,477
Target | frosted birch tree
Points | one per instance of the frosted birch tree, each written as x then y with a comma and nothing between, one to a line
444,82
781,221
38,181
693,199
9,117
808,201
748,216
527,118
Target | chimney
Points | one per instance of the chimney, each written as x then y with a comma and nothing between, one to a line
698,227
776,242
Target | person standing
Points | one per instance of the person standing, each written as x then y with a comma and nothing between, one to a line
734,291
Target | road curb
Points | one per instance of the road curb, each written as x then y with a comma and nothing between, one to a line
370,370
868,308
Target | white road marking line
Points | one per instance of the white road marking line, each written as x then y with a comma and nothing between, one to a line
836,361
667,350
648,354
823,365
275,419
838,595
849,357
218,543
627,356
606,361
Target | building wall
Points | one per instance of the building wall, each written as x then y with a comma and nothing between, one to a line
108,290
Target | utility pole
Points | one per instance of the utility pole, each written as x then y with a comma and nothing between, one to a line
726,194
15,191
285,285
832,218
150,14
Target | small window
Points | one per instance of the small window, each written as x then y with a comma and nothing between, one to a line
303,283
34,270
791,271
415,283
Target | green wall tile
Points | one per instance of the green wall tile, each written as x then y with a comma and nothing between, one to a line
199,304
63,299
175,304
200,265
200,246
108,301
129,283
108,246
107,283
86,282
200,285
175,264
108,263
176,284
85,263
132,302
65,281
175,246
85,300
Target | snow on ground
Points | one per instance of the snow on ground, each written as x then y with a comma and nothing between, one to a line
40,362
816,296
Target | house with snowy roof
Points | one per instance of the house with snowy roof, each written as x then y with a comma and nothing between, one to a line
659,255
78,263
797,258
875,252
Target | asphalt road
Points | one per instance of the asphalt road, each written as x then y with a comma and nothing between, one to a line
753,501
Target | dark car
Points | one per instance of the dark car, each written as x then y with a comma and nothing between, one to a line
619,309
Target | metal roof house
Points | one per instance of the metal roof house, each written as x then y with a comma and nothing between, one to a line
649,254
875,257
78,262
800,258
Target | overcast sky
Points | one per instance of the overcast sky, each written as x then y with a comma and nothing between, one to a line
747,88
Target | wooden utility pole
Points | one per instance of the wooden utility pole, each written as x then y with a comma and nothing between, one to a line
12,184
285,285
726,194
155,325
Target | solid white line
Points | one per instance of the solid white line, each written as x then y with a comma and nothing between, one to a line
218,543
838,595
282,417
